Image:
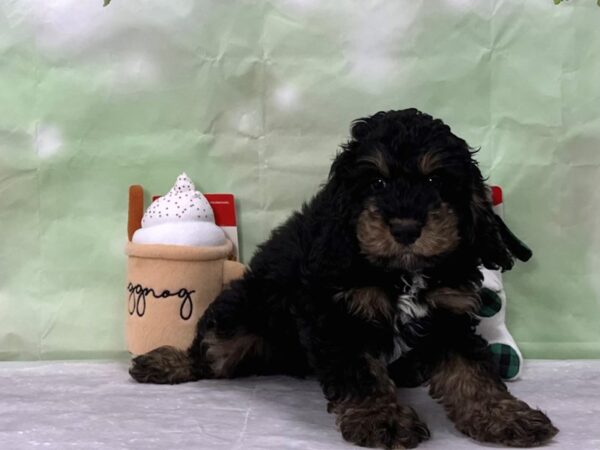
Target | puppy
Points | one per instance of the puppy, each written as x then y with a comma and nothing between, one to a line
373,285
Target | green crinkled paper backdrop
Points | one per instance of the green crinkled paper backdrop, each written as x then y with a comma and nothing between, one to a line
253,97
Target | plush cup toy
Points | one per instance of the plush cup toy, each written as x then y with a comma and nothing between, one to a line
178,262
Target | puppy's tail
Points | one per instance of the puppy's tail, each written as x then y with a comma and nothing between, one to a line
164,365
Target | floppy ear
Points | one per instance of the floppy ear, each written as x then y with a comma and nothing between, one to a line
516,246
493,242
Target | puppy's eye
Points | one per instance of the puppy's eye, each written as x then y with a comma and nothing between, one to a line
435,180
378,185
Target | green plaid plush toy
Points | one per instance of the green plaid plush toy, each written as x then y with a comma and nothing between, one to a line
492,327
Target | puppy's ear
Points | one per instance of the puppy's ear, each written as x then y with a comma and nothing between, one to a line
492,241
516,246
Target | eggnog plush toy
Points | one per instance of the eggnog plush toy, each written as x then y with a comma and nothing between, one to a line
178,262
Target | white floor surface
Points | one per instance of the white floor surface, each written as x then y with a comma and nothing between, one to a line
95,405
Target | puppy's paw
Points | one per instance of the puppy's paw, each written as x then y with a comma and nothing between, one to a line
164,365
389,426
513,423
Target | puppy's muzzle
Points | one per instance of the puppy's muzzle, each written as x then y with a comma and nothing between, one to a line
406,231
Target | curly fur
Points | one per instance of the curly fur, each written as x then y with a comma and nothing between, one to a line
372,285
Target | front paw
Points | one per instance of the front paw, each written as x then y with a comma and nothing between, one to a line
389,426
163,365
510,422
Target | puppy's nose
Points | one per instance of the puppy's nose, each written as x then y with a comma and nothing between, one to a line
406,231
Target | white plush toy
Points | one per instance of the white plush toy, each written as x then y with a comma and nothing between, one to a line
492,327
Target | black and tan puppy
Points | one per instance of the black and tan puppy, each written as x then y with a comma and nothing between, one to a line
372,285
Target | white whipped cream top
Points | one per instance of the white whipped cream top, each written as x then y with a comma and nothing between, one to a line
181,217
182,203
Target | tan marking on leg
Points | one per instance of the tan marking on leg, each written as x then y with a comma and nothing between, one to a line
164,365
224,355
379,420
459,301
481,406
370,303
